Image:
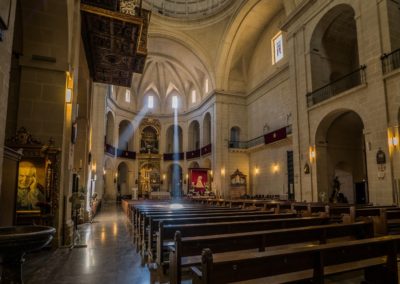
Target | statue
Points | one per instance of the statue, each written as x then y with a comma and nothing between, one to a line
337,196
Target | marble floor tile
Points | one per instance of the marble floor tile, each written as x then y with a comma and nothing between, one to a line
110,256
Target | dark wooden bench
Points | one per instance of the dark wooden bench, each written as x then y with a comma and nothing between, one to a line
154,219
140,217
152,232
377,255
187,250
165,236
149,220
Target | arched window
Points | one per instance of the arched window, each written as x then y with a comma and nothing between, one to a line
150,102
194,97
174,103
128,96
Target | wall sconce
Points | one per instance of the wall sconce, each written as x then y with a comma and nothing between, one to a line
393,138
115,177
104,171
94,177
223,171
256,170
186,178
395,141
312,153
68,89
275,168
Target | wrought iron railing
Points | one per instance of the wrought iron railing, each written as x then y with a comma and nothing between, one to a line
109,149
126,154
351,80
206,150
390,61
174,156
260,140
193,154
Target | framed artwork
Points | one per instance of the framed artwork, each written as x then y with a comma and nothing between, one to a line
31,194
36,187
198,180
5,10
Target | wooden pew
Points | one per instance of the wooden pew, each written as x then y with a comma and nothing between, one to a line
151,245
145,217
296,264
166,232
154,219
187,251
139,216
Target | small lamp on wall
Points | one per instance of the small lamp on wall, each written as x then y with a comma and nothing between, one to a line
312,153
68,89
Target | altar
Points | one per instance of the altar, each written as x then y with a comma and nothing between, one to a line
160,195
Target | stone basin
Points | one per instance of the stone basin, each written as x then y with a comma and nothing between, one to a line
14,243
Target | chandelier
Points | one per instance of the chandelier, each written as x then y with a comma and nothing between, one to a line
114,34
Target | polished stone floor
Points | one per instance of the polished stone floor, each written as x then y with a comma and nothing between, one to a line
109,257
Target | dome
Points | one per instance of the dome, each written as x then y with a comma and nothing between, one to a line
186,9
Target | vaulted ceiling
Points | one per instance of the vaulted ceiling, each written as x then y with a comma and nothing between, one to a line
189,43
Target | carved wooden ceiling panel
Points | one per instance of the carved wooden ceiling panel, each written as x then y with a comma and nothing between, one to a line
115,43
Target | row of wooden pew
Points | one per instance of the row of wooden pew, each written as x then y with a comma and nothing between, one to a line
221,243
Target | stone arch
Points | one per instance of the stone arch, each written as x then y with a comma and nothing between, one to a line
174,139
125,137
194,136
194,164
110,128
340,151
207,129
334,47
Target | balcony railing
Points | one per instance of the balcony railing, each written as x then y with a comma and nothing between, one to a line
351,80
126,154
390,61
193,154
270,137
109,149
206,150
174,156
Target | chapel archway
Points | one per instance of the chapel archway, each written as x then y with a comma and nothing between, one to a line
340,152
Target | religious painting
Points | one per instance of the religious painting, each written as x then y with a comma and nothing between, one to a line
198,180
5,8
31,194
